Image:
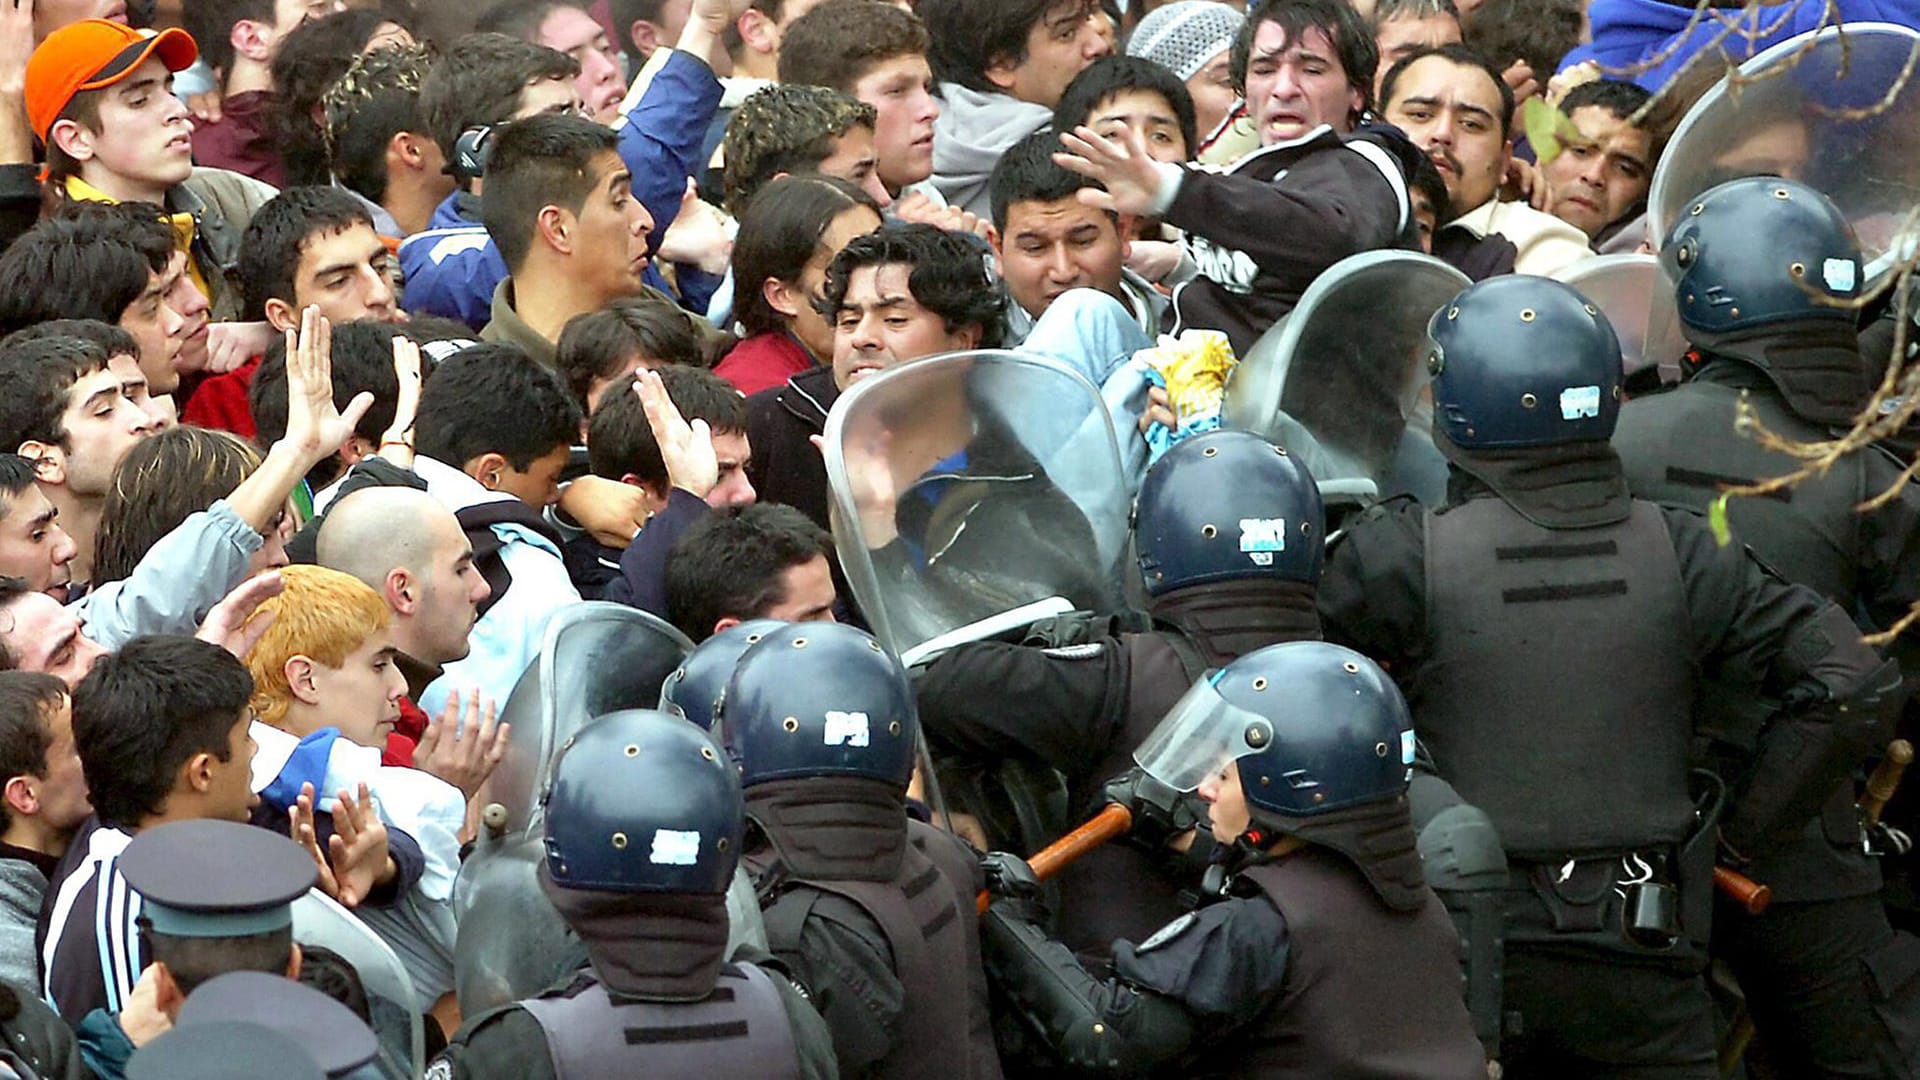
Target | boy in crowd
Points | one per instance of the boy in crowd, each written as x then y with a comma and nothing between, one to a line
307,247
600,351
1598,184
753,562
1002,65
112,264
621,446
326,694
1401,27
33,547
1457,109
238,40
566,28
559,205
45,801
876,54
648,26
494,432
1119,93
74,412
1049,241
99,97
784,130
379,146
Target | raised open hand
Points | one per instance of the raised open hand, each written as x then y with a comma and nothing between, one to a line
314,426
687,449
358,849
233,623
462,746
1131,177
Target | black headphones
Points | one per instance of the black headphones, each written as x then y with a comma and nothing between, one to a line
470,152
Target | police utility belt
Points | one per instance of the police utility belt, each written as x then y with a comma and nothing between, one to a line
1655,901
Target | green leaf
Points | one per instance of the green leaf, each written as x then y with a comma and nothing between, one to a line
1548,129
1717,521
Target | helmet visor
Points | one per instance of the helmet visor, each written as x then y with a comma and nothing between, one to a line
1200,735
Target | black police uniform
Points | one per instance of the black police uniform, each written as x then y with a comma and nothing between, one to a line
1081,708
875,929
643,830
1833,989
861,906
1327,957
777,1033
1548,630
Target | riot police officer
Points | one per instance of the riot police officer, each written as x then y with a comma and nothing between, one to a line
643,830
1763,270
1548,629
1228,535
1327,956
873,913
695,687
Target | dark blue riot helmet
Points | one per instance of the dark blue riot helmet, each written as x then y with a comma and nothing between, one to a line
1522,361
1316,728
816,700
694,689
1223,506
1758,251
642,801
1324,747
1765,271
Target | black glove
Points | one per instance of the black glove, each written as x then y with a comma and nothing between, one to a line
1159,812
1012,885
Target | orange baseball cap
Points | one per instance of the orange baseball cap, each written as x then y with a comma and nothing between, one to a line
90,55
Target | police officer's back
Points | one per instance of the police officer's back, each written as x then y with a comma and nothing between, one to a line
1550,631
1327,955
1763,270
872,913
643,829
1228,536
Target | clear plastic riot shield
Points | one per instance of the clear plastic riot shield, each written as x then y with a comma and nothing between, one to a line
1340,381
397,1021
514,944
596,658
1834,109
1635,295
972,493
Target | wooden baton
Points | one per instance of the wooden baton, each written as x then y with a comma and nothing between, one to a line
1742,890
1885,779
1113,821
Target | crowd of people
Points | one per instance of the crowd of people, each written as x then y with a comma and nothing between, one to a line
357,355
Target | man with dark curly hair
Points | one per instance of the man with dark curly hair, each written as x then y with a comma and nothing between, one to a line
895,295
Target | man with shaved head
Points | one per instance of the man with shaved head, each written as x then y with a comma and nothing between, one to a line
411,550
